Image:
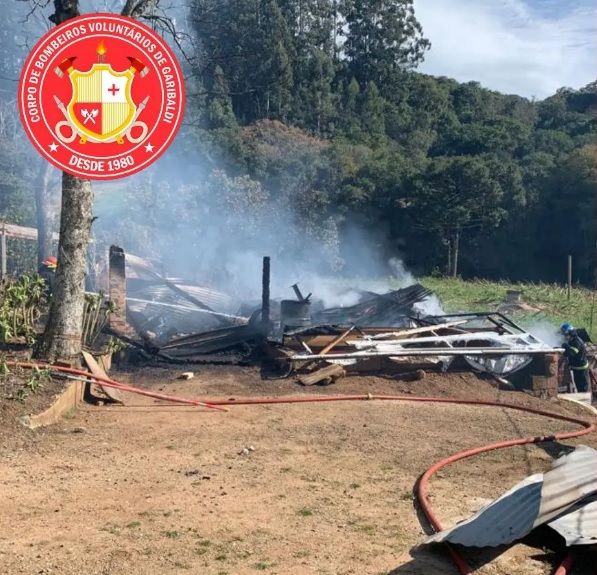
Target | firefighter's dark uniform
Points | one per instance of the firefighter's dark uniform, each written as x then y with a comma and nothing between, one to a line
576,353
48,274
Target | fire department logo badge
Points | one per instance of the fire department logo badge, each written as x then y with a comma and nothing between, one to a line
101,96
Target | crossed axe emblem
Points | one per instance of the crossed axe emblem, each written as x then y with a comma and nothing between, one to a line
89,115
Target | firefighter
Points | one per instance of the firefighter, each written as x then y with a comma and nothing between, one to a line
47,271
575,352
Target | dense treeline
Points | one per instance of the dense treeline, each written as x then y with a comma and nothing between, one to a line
462,179
315,108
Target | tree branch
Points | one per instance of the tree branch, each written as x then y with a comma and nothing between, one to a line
64,10
151,11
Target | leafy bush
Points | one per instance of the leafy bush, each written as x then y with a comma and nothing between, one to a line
20,304
95,317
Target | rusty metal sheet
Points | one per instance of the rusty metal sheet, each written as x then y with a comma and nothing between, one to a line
535,501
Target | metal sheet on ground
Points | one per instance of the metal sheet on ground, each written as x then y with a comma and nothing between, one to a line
539,499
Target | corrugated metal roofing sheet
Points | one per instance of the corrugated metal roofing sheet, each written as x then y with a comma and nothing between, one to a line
579,527
563,491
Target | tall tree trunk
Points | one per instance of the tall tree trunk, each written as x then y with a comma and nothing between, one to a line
43,212
62,336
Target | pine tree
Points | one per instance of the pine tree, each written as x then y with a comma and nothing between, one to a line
311,24
372,111
250,42
219,105
382,36
351,120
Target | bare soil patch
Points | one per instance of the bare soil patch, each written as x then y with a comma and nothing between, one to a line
327,489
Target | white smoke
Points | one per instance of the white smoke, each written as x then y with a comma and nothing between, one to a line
546,332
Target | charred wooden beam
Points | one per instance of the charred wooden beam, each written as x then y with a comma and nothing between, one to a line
327,374
265,295
117,289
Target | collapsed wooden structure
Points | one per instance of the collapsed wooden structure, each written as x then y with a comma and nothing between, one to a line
488,343
174,321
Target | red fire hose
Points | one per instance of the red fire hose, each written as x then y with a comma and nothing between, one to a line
107,382
565,566
423,486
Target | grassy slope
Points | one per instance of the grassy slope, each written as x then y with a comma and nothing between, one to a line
550,302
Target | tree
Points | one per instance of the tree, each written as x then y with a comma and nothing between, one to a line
314,102
219,105
312,27
62,336
15,184
372,111
454,195
350,119
250,41
567,215
382,36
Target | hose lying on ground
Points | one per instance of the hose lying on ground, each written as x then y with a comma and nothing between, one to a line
423,485
107,382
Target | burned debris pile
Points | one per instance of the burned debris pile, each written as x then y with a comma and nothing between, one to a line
162,308
177,321
232,344
390,309
483,342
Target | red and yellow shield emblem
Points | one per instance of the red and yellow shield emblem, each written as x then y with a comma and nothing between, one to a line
101,106
80,107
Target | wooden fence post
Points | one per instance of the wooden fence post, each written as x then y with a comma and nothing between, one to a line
3,254
569,276
117,289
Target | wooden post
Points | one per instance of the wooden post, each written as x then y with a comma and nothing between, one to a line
456,253
117,289
569,276
3,255
265,283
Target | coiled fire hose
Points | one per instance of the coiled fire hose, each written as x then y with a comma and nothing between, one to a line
423,485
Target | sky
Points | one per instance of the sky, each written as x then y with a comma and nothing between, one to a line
525,47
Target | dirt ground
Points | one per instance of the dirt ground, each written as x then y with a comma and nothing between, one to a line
309,489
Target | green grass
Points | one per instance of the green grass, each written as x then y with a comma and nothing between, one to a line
550,301
367,529
133,524
70,414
